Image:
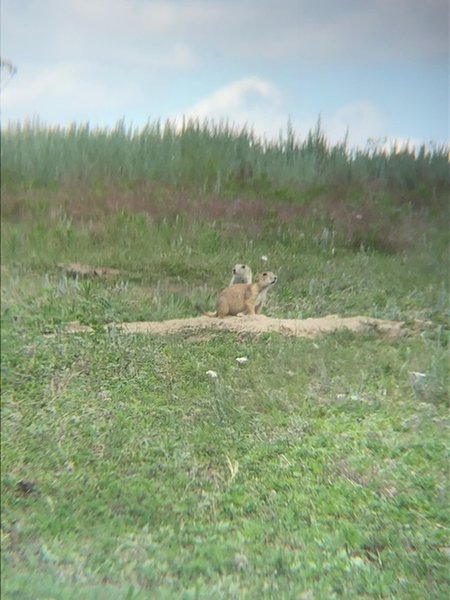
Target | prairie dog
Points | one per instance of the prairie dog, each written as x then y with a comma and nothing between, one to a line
260,300
244,298
241,274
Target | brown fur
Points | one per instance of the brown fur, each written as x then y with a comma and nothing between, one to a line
244,298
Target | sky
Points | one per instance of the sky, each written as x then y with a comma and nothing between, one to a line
373,70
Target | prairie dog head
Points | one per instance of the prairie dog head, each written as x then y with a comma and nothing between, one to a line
266,279
241,274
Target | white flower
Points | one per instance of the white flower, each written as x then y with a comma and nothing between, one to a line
242,360
212,374
241,562
418,381
264,258
416,376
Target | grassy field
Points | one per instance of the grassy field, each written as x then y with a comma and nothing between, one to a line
317,469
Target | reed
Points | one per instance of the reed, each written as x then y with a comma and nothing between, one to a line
213,157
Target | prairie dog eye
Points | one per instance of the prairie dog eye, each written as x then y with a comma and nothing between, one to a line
244,267
264,274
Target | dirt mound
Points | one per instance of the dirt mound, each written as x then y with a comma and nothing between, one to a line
259,324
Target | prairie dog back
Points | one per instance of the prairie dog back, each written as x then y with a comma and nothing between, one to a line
243,298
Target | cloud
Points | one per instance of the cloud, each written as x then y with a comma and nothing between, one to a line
363,124
193,31
236,95
174,57
358,121
251,102
258,104
376,31
103,59
65,93
118,34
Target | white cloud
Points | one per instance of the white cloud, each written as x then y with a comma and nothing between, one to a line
119,34
98,60
236,95
322,31
358,120
251,102
175,57
259,105
64,93
364,125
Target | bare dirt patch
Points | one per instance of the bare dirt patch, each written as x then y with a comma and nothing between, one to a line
260,324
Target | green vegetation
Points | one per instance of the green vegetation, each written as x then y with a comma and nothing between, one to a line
214,158
317,469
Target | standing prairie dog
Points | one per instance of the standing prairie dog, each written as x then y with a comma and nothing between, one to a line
244,298
241,274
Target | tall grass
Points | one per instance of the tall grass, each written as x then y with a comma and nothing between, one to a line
209,156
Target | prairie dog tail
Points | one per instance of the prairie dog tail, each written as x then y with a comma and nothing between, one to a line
205,314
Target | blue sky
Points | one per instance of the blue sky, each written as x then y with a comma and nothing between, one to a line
377,67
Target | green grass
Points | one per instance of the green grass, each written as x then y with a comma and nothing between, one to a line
317,469
314,466
211,157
